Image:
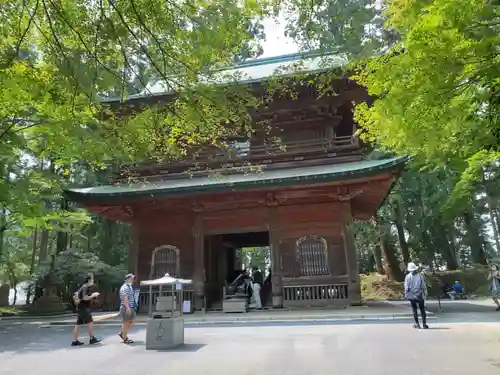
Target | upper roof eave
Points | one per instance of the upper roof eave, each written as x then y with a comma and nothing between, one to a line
255,63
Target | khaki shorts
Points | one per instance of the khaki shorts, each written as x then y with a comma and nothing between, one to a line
127,316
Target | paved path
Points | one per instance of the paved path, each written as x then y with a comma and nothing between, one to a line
286,349
373,310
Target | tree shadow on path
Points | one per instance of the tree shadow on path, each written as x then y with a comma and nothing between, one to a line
39,339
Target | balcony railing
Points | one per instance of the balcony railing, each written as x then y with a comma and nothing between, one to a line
243,150
244,153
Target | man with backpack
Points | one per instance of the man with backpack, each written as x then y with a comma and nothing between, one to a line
83,299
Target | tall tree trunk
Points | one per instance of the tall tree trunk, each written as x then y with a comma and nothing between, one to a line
449,253
493,222
32,264
5,175
15,296
44,238
391,263
106,253
62,237
377,256
405,251
44,247
474,239
454,243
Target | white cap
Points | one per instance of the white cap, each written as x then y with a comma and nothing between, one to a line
412,267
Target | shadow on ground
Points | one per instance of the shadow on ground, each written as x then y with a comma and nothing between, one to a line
39,339
449,307
186,348
36,339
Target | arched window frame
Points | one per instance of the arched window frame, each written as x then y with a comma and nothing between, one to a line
165,248
324,263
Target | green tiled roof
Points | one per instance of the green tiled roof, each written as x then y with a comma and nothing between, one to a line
255,70
239,181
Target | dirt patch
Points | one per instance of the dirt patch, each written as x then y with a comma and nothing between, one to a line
377,287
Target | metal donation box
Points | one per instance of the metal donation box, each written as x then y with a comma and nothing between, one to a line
165,327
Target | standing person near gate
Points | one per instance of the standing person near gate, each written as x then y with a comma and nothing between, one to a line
416,293
257,281
83,299
128,306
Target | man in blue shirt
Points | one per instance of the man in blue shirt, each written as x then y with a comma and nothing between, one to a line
128,307
457,287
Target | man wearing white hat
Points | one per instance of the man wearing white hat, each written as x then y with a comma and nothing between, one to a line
128,307
416,292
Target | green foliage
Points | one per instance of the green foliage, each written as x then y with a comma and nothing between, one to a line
15,259
74,265
58,59
350,27
257,257
437,90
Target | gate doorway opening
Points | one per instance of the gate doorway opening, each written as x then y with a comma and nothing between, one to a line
227,256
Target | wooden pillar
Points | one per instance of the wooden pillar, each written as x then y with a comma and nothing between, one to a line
199,265
133,255
276,276
354,286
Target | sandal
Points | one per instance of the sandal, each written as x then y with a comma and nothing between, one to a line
128,341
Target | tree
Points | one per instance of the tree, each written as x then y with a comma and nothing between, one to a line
415,225
58,60
350,27
14,261
257,257
437,90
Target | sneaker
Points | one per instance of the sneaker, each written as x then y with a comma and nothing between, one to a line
94,340
76,343
416,326
498,308
426,326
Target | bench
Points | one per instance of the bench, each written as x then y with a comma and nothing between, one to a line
457,296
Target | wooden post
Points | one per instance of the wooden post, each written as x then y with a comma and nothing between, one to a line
354,287
199,265
276,277
133,255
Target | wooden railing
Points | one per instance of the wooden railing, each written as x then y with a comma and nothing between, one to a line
315,295
245,154
277,148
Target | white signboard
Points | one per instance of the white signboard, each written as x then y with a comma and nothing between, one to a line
186,307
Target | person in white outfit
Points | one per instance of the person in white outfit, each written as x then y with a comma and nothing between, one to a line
257,281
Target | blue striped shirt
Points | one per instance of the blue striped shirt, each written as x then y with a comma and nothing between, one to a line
127,290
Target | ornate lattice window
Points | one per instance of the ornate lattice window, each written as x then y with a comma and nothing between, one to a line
165,260
312,256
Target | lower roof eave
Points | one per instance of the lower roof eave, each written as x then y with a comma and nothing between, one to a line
109,195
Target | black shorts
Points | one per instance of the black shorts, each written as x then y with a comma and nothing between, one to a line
84,317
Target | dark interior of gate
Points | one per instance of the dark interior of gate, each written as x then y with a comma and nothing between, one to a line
224,261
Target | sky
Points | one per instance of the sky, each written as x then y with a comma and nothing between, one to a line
276,43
